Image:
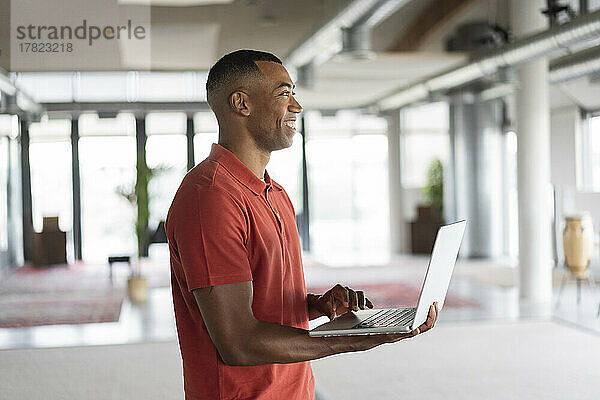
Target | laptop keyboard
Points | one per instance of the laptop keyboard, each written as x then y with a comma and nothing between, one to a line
389,317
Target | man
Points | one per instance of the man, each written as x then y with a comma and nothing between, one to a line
238,287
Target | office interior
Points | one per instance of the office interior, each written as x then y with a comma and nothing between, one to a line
416,113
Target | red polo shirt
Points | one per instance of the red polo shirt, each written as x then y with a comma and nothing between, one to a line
225,226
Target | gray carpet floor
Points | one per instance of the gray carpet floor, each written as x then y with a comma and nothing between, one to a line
525,360
149,371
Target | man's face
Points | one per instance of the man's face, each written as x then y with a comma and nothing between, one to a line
272,121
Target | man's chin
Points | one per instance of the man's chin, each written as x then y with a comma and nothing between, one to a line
283,146
290,141
287,139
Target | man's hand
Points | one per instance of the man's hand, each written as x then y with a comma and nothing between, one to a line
427,325
337,301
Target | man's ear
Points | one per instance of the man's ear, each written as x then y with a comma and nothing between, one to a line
238,101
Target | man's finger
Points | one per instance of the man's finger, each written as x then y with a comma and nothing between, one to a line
331,314
368,303
329,307
353,299
361,299
342,293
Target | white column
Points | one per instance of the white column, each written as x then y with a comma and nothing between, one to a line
533,161
474,186
397,223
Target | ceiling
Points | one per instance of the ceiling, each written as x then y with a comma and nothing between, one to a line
274,25
192,34
194,37
350,83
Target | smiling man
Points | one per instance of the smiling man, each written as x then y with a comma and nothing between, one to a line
240,302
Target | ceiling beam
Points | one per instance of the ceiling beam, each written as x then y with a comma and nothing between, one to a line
115,107
438,14
581,31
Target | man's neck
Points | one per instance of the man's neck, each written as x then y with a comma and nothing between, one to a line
248,153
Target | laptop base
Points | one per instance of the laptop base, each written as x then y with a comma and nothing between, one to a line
344,325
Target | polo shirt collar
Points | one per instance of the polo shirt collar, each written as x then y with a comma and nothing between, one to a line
240,171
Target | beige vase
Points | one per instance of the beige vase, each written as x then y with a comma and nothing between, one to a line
137,288
578,243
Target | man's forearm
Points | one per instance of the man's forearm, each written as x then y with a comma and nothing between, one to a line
279,344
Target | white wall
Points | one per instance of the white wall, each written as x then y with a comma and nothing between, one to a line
565,127
566,124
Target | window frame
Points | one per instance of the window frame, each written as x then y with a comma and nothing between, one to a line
586,181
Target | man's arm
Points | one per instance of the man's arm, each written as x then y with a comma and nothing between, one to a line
241,339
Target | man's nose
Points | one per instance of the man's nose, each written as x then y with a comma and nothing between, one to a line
294,106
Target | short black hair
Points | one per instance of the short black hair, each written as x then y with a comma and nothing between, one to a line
234,66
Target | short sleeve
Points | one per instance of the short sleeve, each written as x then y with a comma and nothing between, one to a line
211,233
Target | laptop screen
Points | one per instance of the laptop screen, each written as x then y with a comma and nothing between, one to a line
439,271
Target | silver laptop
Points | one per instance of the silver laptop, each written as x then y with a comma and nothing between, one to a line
402,320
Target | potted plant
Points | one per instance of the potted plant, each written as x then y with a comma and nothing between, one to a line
137,196
429,216
434,189
137,284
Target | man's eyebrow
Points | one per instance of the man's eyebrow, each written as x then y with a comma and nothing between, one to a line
285,84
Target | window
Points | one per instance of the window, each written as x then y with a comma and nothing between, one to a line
165,150
511,230
5,134
49,87
102,86
206,132
107,156
424,138
171,86
4,143
51,175
11,219
348,185
285,167
591,150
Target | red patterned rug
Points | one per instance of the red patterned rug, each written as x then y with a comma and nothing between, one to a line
58,295
47,309
390,295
